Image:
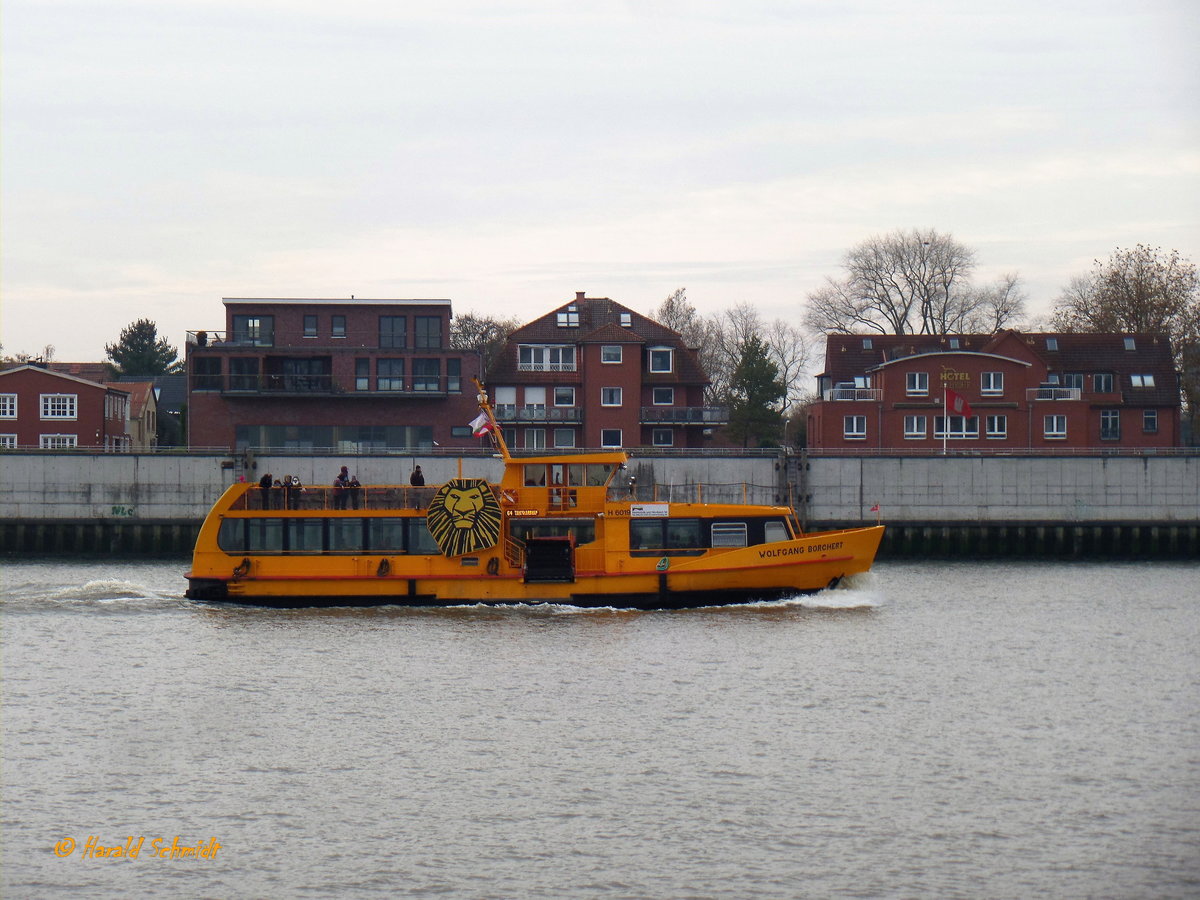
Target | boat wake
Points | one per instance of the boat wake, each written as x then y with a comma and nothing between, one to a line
104,591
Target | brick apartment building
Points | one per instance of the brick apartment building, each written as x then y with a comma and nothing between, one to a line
350,375
1042,392
48,410
593,373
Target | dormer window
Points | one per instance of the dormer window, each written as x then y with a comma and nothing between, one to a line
953,343
868,343
569,318
1142,381
1051,343
660,359
626,320
1130,344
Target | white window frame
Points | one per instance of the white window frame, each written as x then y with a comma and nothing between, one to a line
916,384
991,383
58,441
564,438
8,442
997,427
1149,421
608,398
8,406
670,401
914,427
535,438
1050,429
569,318
60,407
604,432
961,427
545,357
611,354
1142,380
854,428
658,352
662,437
564,402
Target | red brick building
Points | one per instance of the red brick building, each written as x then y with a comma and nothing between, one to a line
53,411
593,373
1023,392
348,375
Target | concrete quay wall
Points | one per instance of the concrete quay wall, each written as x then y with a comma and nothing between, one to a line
1140,507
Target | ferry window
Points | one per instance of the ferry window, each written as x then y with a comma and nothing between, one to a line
683,534
597,474
535,476
575,474
307,535
419,538
729,534
346,535
232,536
645,534
386,535
775,531
264,535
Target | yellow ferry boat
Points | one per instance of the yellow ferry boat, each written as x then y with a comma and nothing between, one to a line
567,529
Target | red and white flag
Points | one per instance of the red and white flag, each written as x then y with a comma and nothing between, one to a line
481,425
957,404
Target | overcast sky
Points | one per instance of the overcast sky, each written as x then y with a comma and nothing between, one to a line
159,155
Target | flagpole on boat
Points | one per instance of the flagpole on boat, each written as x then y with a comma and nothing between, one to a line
493,431
945,416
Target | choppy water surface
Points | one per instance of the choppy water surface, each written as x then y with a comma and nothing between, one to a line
991,730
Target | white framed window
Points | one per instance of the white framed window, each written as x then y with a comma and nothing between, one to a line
564,396
854,428
914,427
991,383
960,427
610,437
1142,381
60,406
663,396
1051,343
8,406
569,318
546,357
661,359
58,442
8,442
610,353
868,343
916,384
610,396
1055,427
1110,424
535,397
1150,421
997,426
663,437
535,438
564,437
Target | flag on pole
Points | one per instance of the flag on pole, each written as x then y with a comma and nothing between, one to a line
957,404
481,425
875,508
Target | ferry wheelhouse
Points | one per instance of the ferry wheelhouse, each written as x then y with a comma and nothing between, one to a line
569,529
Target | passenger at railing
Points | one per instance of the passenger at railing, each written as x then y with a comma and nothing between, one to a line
264,488
292,489
417,479
354,489
341,485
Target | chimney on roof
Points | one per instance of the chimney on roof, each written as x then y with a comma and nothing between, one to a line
579,295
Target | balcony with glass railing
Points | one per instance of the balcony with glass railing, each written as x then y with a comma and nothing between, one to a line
684,415
511,413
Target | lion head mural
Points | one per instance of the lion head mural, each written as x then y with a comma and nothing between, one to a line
464,517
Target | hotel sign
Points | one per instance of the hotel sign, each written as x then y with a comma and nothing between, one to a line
949,376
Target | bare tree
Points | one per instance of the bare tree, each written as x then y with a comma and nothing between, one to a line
995,307
789,349
907,282
486,335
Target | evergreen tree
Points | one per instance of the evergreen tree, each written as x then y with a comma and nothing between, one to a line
755,396
140,351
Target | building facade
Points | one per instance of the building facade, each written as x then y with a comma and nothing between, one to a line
348,375
46,410
1040,392
593,373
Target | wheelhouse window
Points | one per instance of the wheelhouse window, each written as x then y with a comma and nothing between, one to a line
662,437
427,332
1150,421
991,383
661,359
393,332
663,396
916,384
1110,424
854,428
257,331
389,375
610,396
1055,427
610,353
546,357
8,406
310,325
60,406
997,426
914,427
